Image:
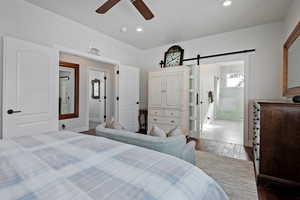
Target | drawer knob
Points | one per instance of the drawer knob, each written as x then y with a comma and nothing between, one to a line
172,121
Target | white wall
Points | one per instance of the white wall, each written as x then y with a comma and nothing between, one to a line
29,22
266,66
292,18
82,123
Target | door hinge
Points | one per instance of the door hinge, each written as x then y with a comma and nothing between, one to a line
104,116
105,97
118,98
105,78
118,72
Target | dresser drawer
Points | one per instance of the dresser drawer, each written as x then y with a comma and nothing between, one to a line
163,120
156,112
172,113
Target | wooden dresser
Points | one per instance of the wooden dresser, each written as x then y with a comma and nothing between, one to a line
276,142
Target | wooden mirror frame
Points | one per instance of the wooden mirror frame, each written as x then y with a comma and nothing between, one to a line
76,96
292,38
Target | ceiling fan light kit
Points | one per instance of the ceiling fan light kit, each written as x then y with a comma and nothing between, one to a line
138,4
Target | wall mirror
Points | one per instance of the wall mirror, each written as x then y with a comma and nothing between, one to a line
291,69
68,90
96,89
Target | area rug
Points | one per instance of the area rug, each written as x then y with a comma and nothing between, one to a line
236,177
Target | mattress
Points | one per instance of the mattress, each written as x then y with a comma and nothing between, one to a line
66,165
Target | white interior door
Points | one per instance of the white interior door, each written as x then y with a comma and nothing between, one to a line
30,88
195,117
129,97
96,106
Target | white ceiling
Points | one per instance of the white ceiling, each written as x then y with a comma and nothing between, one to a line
175,20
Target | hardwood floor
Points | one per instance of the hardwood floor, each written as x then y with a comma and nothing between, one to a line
90,132
225,149
266,192
229,131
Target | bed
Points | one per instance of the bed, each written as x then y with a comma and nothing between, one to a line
66,165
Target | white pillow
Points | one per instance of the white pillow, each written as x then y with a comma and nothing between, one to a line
157,132
116,125
175,132
109,123
112,124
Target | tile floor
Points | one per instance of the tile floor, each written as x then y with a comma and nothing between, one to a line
228,131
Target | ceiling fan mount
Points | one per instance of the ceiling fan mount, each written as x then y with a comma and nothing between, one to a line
138,4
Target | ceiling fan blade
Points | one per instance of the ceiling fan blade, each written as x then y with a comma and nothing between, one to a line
106,6
143,9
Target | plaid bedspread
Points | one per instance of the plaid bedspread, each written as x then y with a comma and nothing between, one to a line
71,166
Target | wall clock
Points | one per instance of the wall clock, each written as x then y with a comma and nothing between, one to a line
174,56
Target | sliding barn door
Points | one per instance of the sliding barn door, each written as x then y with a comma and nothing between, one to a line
30,92
129,87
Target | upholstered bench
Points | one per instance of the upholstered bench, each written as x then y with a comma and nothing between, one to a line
175,146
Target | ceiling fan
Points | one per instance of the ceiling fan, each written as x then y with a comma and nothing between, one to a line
139,4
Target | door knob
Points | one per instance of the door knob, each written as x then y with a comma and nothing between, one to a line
11,111
137,102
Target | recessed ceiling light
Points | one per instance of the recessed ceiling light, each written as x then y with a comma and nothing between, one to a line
227,3
139,29
124,29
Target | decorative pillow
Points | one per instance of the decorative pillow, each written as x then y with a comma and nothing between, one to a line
116,125
112,124
175,132
157,132
109,123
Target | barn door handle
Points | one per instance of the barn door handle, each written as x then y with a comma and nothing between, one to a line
11,111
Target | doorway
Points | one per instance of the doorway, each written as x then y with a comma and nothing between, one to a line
96,93
222,101
97,98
